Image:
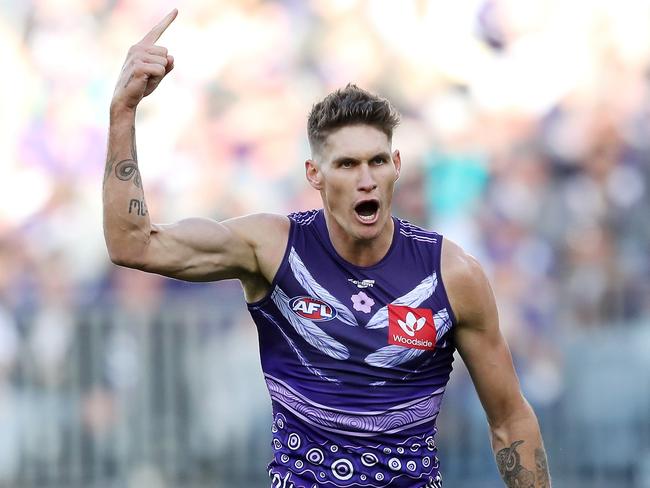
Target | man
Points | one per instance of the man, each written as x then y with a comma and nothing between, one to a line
358,312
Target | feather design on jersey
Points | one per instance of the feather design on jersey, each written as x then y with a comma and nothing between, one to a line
393,355
303,360
413,298
443,323
312,287
308,330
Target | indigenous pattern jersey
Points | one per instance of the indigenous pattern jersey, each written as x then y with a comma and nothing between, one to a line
356,360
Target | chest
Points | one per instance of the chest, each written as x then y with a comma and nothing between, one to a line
365,310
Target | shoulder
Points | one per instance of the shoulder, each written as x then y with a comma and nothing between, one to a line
466,283
268,235
259,228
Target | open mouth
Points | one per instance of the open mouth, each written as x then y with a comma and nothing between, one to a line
367,211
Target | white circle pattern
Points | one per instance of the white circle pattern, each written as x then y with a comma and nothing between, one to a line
431,444
294,441
369,459
342,469
315,456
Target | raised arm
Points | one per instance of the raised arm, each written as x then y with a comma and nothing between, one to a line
516,438
247,248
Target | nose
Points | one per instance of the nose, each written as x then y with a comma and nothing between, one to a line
366,180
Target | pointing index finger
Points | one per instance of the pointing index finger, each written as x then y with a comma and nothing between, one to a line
154,34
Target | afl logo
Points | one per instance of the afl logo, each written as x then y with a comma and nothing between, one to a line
312,309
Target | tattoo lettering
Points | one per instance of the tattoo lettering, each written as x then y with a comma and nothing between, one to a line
139,207
511,470
128,169
541,466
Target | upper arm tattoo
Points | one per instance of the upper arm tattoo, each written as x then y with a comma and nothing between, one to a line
511,470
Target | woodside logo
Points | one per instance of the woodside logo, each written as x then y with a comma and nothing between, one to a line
411,327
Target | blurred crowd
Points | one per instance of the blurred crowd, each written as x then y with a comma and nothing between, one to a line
525,137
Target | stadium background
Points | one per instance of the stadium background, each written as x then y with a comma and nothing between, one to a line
525,137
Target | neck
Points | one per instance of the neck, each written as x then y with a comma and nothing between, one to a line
360,252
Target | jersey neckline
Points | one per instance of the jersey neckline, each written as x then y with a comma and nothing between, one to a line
322,230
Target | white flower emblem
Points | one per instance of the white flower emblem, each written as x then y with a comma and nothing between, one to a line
411,326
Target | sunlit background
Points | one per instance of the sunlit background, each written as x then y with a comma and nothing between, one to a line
525,138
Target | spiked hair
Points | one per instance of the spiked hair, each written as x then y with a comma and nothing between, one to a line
348,106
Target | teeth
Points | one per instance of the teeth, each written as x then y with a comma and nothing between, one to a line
367,218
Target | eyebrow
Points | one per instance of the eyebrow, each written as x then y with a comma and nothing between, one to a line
341,159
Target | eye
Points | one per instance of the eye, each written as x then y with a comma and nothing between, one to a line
378,160
346,163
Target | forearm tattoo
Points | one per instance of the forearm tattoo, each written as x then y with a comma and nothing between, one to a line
110,162
129,80
541,466
134,152
511,470
128,170
109,167
138,207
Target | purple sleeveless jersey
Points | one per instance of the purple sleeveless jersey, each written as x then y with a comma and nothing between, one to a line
356,360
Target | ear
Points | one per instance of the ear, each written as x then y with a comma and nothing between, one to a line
397,161
313,174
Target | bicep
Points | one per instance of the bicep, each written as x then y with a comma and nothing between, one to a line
489,362
480,342
199,249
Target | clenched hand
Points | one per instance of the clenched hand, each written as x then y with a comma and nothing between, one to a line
145,66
